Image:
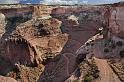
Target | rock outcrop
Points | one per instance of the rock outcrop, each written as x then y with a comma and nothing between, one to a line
2,24
34,42
42,11
6,79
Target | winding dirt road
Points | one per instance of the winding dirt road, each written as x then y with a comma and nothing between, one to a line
106,73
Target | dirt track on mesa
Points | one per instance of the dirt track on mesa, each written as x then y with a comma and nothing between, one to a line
106,73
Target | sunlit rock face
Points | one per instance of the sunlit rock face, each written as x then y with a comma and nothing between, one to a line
2,24
19,11
42,11
6,79
116,21
59,10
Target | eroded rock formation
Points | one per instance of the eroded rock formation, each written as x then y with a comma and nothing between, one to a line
33,40
51,44
63,66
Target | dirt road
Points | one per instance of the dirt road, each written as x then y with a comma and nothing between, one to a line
106,73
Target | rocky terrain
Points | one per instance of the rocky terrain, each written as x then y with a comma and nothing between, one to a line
40,43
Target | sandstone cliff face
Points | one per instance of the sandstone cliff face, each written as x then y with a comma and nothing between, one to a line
116,21
42,11
117,34
21,11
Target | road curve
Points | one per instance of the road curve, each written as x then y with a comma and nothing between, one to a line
106,73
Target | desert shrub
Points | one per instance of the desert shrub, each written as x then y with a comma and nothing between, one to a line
88,78
2,51
119,43
106,50
110,43
113,46
75,81
93,72
122,53
98,12
87,44
92,44
107,42
80,58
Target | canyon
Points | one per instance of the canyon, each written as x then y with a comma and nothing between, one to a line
41,43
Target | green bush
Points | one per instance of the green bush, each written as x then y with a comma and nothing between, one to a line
113,45
106,50
88,78
119,43
122,53
87,44
75,81
92,44
110,43
107,42
94,71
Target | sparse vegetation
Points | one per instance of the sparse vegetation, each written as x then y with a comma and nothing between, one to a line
75,81
110,43
107,42
47,57
87,44
106,50
122,53
2,51
119,43
97,12
92,44
88,78
93,72
113,46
